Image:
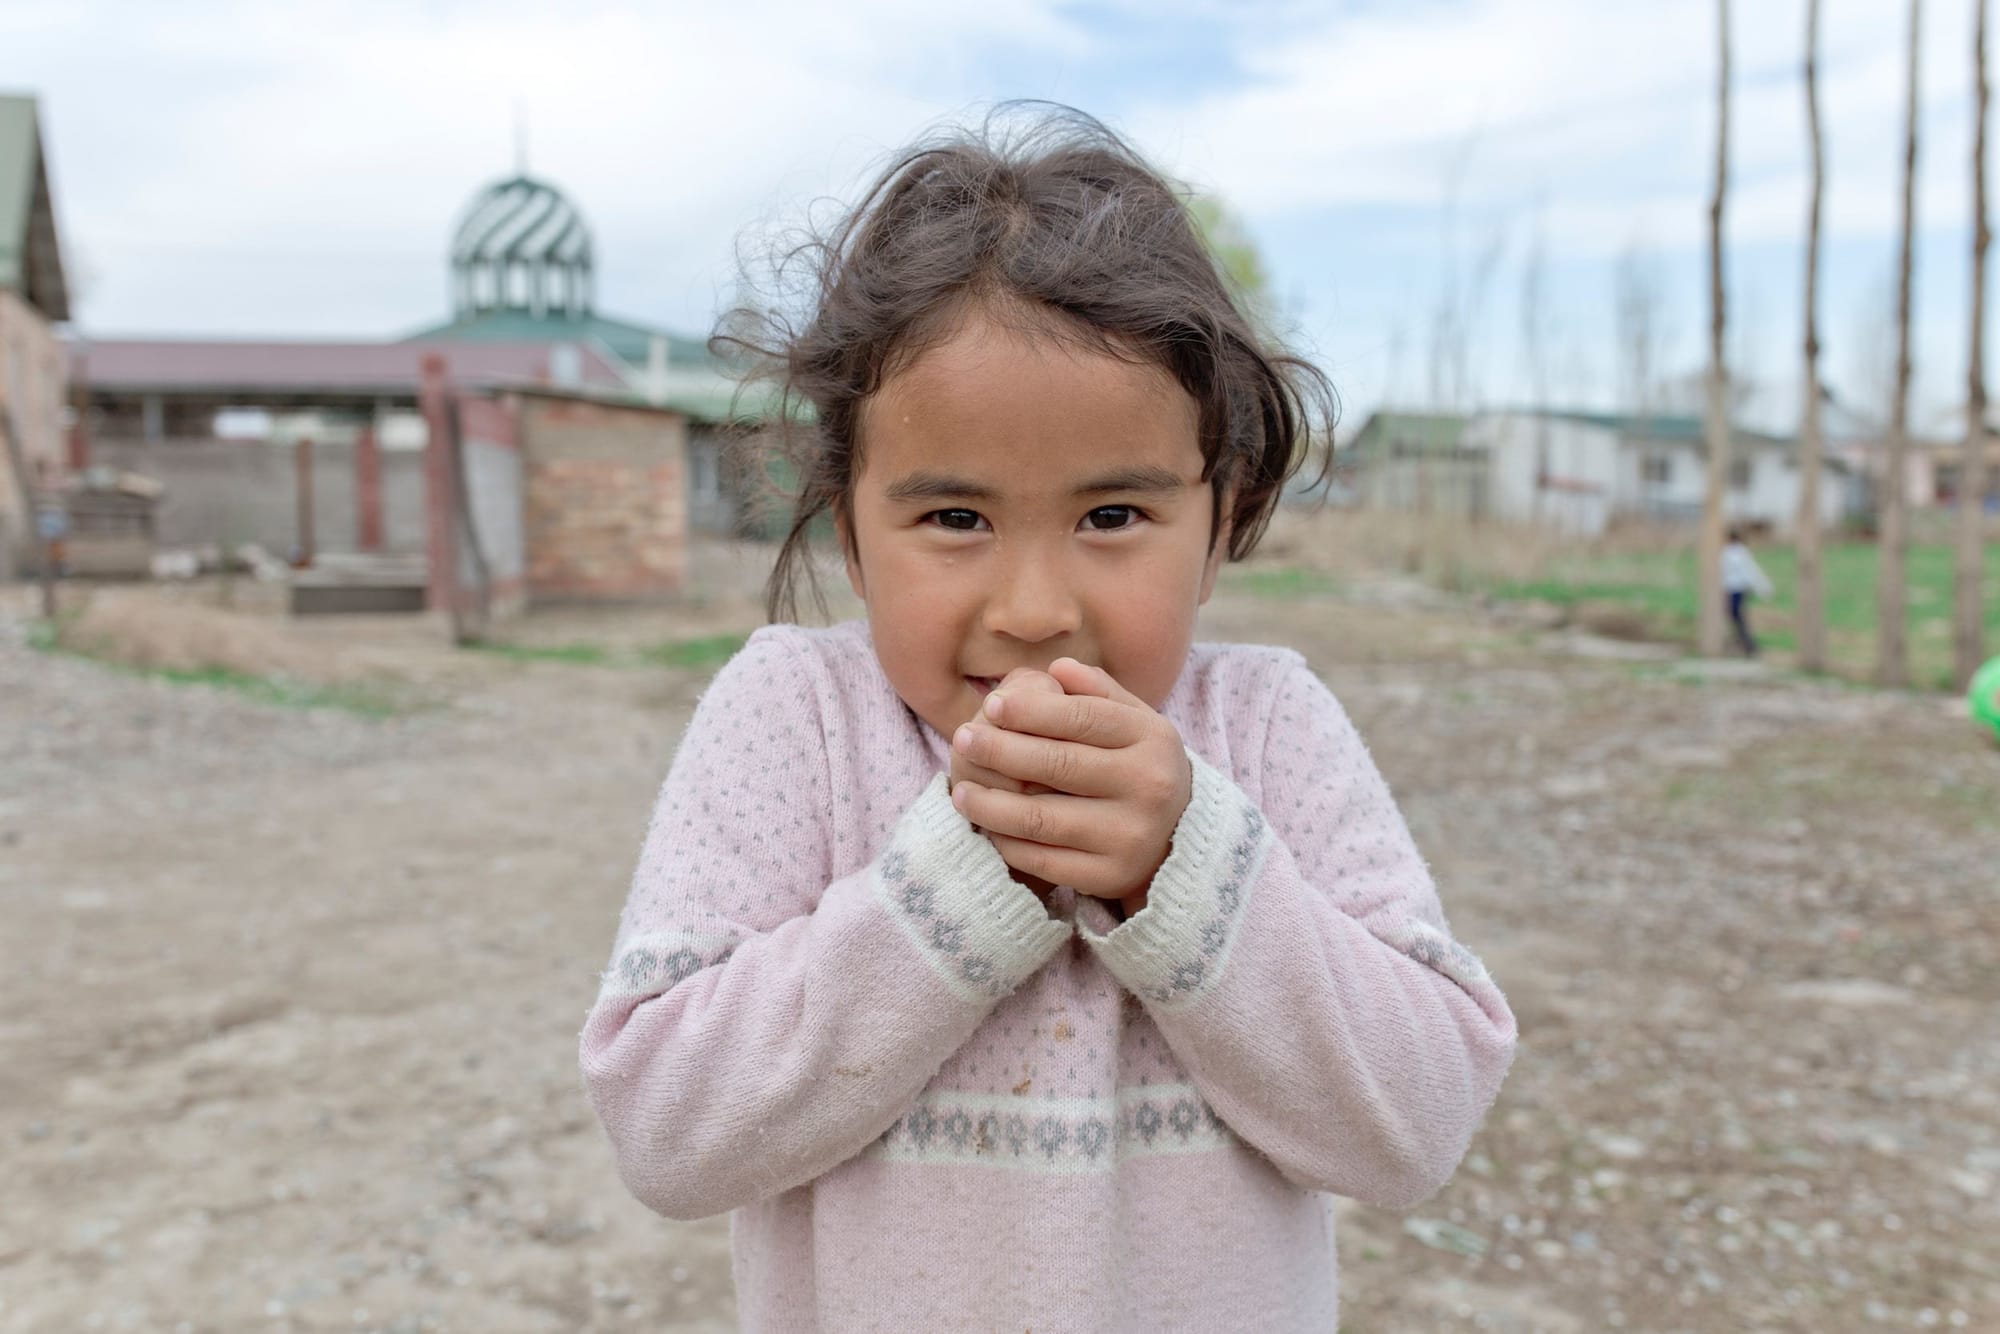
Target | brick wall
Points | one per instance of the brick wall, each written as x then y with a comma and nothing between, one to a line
605,500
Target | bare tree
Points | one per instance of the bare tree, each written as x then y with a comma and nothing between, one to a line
1534,350
1811,626
1968,631
1638,313
1457,319
1447,340
1892,652
1448,356
1638,321
1709,627
1472,327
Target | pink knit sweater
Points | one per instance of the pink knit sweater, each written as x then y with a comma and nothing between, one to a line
935,1104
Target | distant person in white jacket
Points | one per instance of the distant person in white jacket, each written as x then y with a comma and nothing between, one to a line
1741,578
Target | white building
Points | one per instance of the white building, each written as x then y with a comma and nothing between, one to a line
1582,472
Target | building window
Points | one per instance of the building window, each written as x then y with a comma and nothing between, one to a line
1739,474
1658,468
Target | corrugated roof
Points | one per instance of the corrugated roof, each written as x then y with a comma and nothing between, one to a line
1428,430
1658,426
265,370
30,258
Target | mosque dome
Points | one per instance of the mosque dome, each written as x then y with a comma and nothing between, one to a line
522,246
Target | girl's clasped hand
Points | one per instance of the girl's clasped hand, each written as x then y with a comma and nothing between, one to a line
1100,779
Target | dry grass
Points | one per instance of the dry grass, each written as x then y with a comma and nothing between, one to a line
1447,551
143,632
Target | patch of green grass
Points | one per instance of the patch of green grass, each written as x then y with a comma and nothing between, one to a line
712,651
367,701
581,654
1283,582
684,654
1662,585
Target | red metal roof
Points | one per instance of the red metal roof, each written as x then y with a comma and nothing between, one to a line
306,369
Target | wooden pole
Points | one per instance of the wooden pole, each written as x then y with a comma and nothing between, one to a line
1812,589
1892,660
1968,637
1709,625
302,455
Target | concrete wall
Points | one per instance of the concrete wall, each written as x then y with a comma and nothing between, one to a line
606,499
231,491
31,393
1773,494
1597,474
1582,462
494,486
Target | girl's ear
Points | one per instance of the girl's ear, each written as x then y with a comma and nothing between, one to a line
844,527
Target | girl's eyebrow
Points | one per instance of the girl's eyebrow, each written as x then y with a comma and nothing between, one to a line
1146,479
938,486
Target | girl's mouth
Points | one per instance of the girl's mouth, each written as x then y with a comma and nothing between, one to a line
983,684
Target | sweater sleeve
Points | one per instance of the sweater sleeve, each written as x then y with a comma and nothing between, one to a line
1297,961
765,1018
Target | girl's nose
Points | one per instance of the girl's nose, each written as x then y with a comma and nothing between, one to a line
1032,600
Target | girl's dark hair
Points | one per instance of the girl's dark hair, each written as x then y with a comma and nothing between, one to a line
1058,221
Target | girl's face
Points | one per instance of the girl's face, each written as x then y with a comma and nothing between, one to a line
1019,501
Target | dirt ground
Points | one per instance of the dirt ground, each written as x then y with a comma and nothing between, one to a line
290,1003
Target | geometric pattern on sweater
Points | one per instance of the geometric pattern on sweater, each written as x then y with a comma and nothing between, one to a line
1434,949
650,964
1173,952
948,889
1064,1136
914,898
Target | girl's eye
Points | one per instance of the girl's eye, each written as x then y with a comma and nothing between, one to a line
1110,518
957,521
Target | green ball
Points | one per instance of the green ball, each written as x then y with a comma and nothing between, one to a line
1984,697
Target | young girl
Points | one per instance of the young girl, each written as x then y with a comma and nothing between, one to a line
1007,961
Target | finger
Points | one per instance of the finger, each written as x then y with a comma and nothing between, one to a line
963,768
1080,679
1065,766
1028,678
1084,872
1090,719
1052,818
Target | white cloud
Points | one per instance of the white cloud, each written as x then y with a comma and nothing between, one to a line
298,168
1606,109
221,141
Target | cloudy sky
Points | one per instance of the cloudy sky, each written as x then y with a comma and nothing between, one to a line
297,169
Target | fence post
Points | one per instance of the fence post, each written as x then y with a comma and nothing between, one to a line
302,457
441,545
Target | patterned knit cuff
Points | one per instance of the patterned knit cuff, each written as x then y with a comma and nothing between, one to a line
1171,951
947,887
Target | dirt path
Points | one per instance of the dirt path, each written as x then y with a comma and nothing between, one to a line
288,1025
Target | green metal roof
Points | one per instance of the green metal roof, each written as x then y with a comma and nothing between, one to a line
1671,427
1425,430
632,343
716,406
30,259
1430,431
726,404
